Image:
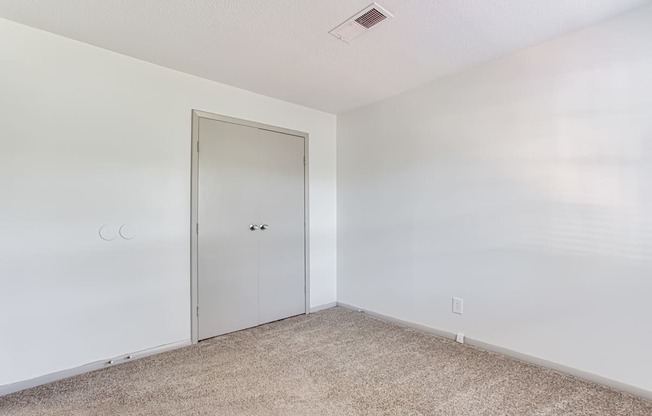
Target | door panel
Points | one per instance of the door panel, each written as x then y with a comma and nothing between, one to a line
281,206
228,251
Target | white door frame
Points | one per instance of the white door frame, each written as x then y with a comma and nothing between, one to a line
194,209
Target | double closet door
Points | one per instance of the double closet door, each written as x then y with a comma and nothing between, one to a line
251,227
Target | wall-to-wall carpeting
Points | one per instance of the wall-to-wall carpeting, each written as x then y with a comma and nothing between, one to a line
335,362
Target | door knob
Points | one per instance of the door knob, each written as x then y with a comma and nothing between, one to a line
264,227
253,227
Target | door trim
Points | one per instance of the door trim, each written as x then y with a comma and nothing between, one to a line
194,208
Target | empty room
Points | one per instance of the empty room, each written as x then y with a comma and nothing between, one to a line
297,208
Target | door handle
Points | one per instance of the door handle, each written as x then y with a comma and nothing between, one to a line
253,227
264,227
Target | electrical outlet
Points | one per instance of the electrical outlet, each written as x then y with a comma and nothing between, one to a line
458,305
460,338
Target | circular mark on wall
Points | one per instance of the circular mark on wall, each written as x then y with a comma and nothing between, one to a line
128,231
108,233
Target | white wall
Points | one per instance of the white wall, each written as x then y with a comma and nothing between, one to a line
523,186
89,137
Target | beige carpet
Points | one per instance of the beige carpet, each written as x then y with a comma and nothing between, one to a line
334,362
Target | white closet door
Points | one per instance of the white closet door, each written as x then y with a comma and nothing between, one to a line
249,178
282,245
228,252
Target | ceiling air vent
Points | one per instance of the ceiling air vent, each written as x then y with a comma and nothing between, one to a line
371,18
360,23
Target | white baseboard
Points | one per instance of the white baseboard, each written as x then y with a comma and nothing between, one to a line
97,365
617,385
322,307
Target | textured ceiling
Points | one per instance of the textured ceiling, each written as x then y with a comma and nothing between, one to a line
281,48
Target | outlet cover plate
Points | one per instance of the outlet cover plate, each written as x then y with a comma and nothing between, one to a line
458,306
